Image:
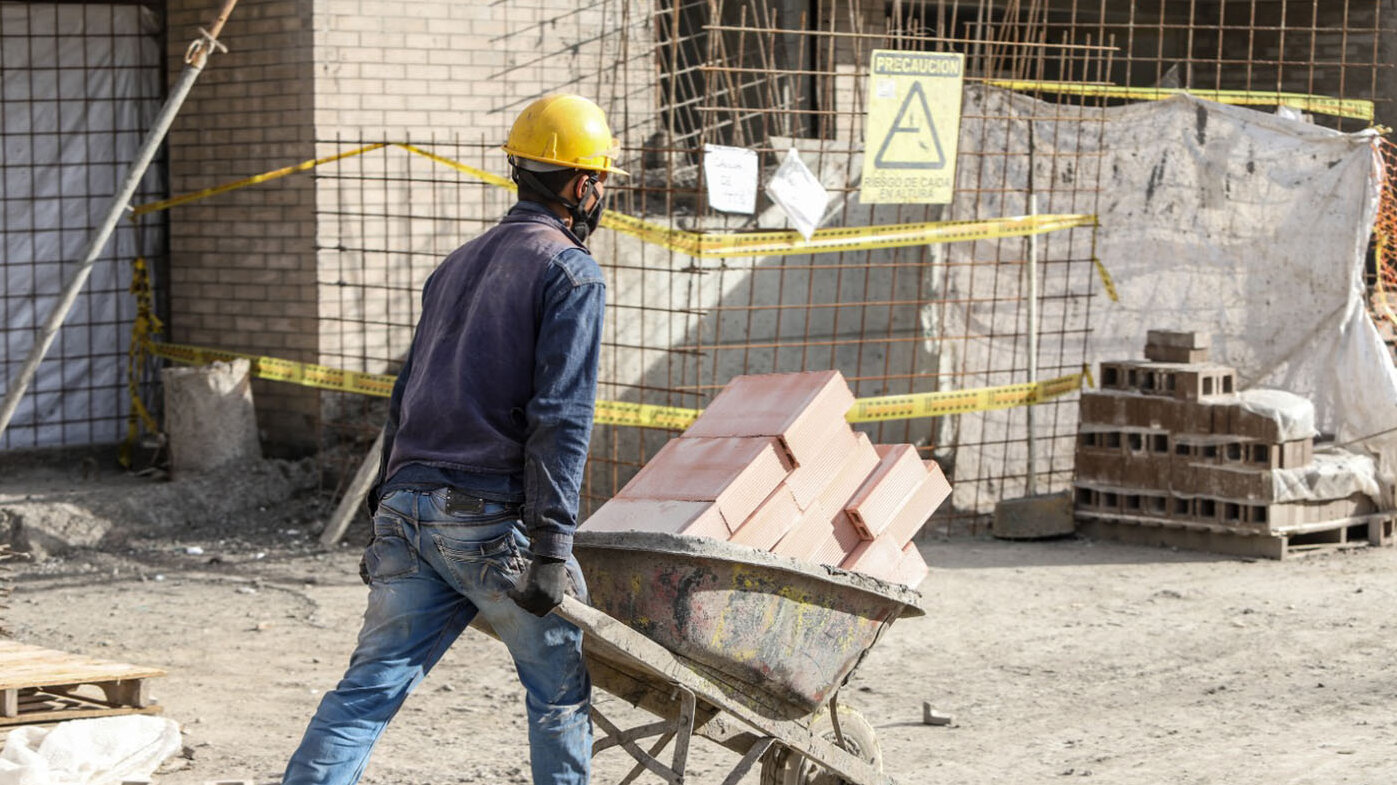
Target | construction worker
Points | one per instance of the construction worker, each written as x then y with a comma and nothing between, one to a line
484,447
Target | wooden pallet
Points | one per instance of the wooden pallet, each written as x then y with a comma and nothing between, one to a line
1360,531
44,685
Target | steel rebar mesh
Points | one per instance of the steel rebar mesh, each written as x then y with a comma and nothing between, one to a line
772,75
79,85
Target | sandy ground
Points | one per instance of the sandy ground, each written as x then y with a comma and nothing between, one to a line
1058,660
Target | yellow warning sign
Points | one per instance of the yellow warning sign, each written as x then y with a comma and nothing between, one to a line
914,101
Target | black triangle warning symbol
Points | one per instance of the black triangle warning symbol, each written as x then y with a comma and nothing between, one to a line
912,141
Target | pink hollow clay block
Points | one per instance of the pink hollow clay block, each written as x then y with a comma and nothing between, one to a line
809,480
918,506
737,473
813,528
776,516
898,474
911,568
879,558
861,460
820,538
698,519
802,409
844,539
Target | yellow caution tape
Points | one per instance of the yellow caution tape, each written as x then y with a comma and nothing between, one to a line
479,174
137,212
1106,280
697,244
940,404
644,415
146,325
890,407
1352,108
715,245
852,238
787,243
277,369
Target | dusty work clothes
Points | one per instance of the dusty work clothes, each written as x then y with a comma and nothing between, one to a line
484,449
499,389
432,572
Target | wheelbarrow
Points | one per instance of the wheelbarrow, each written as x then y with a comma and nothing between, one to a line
742,647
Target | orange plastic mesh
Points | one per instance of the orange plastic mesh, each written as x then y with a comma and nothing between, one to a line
1383,303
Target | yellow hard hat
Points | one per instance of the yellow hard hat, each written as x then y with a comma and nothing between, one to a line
564,130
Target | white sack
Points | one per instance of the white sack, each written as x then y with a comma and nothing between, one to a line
1334,474
1293,415
102,751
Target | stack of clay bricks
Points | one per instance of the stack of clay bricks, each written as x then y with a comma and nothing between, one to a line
773,464
1168,441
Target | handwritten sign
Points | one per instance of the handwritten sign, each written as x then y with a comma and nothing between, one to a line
731,174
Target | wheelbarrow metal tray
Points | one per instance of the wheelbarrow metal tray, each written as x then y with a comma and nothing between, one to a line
783,632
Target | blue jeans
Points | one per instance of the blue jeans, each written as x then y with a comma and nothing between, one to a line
431,573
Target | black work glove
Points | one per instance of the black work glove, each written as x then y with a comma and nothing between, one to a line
541,589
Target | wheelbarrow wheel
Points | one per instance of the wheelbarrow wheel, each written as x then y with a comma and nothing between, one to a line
781,766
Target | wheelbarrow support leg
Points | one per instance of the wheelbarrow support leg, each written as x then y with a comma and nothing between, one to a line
640,768
748,761
684,725
680,730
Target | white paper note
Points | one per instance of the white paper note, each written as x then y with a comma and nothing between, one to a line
799,193
731,173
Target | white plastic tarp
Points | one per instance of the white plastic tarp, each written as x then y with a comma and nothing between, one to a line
1246,226
100,751
79,84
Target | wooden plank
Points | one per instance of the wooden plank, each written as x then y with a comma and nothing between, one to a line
1247,544
1306,528
613,640
131,692
354,495
9,703
19,654
22,665
35,666
60,704
40,675
63,715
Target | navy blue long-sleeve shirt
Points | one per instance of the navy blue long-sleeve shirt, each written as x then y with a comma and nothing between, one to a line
555,423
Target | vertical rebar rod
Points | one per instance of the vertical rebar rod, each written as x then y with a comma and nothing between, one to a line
1032,482
195,60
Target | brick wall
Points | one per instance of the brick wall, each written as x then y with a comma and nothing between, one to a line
242,263
264,269
449,76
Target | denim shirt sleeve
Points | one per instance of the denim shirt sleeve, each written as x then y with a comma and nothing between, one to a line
390,427
564,399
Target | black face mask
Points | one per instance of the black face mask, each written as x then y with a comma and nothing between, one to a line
584,222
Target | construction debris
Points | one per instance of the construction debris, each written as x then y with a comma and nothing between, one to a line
931,716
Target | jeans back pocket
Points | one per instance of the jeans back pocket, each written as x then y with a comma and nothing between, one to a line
494,564
390,555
